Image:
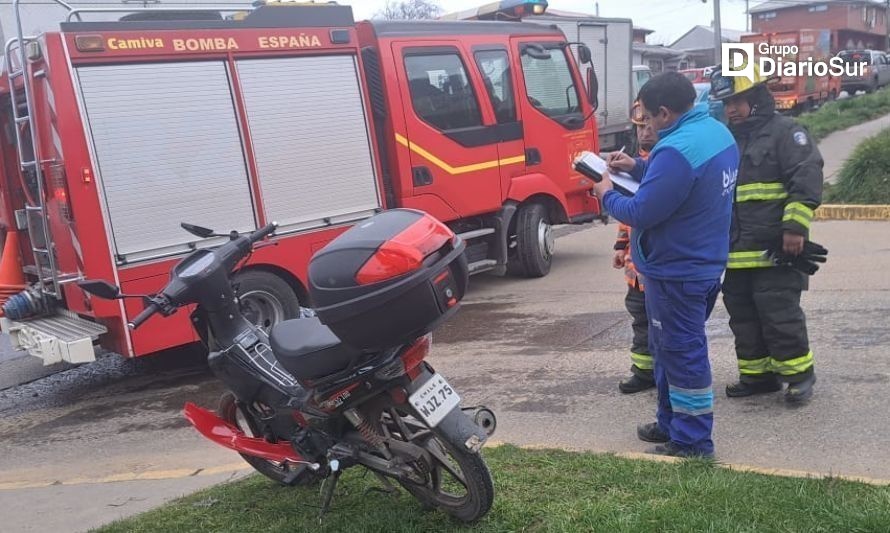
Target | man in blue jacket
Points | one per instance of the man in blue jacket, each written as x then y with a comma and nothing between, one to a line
681,216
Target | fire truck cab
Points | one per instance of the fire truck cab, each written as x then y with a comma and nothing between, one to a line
113,133
481,122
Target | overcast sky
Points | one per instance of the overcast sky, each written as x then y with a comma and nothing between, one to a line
669,18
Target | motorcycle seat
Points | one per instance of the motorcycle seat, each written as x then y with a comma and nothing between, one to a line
309,350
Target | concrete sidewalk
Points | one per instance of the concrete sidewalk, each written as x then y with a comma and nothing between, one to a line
837,147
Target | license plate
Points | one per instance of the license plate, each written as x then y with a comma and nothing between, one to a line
434,399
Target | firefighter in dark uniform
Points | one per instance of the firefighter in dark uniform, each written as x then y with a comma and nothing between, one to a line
779,186
642,366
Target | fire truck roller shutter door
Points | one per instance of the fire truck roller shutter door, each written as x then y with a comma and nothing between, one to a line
310,138
168,150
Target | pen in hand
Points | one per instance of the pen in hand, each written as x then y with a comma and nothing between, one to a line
614,156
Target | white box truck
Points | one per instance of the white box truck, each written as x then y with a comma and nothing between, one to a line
611,42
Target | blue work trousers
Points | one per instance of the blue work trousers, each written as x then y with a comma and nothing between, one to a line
677,314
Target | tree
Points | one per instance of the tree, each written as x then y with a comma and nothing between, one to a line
410,10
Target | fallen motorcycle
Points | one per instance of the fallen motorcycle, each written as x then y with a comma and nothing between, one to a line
348,387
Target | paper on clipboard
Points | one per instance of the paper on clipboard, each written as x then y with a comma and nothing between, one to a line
625,182
594,166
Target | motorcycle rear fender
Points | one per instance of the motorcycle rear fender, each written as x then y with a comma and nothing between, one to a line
221,432
458,428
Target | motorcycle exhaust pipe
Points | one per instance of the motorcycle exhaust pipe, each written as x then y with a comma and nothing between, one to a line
484,418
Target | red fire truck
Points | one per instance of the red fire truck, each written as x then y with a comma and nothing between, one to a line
113,133
798,93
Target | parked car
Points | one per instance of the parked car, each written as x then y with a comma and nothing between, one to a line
695,75
715,108
876,75
642,73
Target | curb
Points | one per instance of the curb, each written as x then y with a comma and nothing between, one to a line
239,468
151,475
853,212
737,467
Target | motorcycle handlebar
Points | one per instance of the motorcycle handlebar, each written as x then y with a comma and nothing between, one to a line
263,232
229,253
146,313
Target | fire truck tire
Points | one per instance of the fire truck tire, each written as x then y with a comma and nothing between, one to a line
534,242
285,474
265,298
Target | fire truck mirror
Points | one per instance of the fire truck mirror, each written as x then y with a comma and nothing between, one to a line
584,54
536,51
100,288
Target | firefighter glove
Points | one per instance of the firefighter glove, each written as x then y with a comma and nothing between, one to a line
807,262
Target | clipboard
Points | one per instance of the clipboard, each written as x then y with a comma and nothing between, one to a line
594,166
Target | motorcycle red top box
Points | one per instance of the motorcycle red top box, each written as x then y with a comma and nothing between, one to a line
389,286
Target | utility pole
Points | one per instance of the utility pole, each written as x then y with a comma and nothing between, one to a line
748,16
718,33
887,23
598,8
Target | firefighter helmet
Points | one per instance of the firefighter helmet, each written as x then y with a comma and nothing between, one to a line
723,87
636,113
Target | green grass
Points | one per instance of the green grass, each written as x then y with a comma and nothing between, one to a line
865,176
545,490
842,114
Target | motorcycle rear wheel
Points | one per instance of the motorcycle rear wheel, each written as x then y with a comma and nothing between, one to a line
448,468
282,473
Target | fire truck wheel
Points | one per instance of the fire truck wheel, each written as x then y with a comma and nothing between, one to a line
265,298
534,242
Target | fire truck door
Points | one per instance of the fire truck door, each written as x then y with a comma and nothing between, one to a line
552,114
452,147
499,78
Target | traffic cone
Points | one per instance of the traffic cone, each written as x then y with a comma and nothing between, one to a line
11,274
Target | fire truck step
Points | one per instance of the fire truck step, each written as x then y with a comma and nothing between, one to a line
475,234
67,328
482,266
57,338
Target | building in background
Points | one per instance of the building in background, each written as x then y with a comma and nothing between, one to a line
855,24
658,58
640,34
698,45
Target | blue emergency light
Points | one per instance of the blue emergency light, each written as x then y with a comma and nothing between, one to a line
512,9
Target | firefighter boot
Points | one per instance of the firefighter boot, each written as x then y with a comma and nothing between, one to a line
636,383
750,388
801,391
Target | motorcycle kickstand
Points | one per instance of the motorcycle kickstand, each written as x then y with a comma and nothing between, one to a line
327,493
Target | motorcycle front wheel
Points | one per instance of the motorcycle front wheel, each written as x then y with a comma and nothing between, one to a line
449,478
